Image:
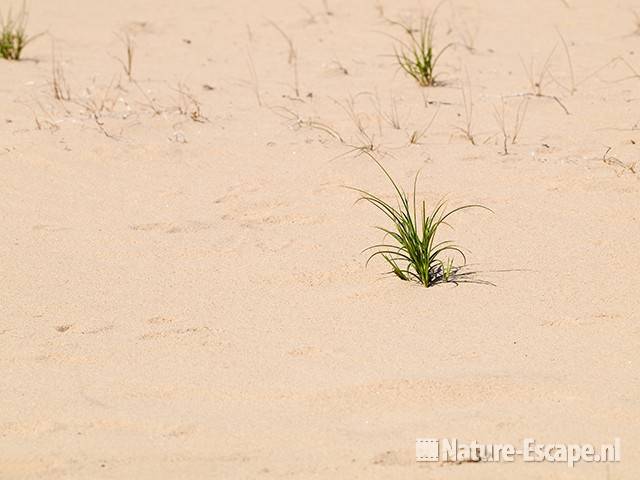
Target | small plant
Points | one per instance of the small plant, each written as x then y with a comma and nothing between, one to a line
391,116
416,135
537,78
13,34
127,63
500,115
293,57
414,254
297,122
366,145
188,105
616,162
467,101
358,118
255,84
417,56
61,90
572,86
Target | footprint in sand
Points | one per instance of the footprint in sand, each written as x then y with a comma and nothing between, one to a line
159,320
185,227
392,458
94,331
176,332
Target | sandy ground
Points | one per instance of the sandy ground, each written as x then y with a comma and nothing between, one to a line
182,291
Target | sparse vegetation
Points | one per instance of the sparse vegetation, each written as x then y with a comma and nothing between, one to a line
572,85
293,58
13,34
127,62
616,162
500,116
416,135
357,118
59,85
365,141
297,122
188,105
366,145
255,84
150,101
467,102
391,115
417,55
537,77
414,254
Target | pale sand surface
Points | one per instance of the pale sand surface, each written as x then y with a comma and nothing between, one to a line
189,300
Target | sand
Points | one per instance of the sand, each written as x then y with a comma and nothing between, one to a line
183,293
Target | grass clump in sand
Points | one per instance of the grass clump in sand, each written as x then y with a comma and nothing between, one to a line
414,254
13,34
417,55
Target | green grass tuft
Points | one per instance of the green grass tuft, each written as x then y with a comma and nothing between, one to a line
414,254
417,55
13,35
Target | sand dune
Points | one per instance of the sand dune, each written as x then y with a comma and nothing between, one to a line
183,293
